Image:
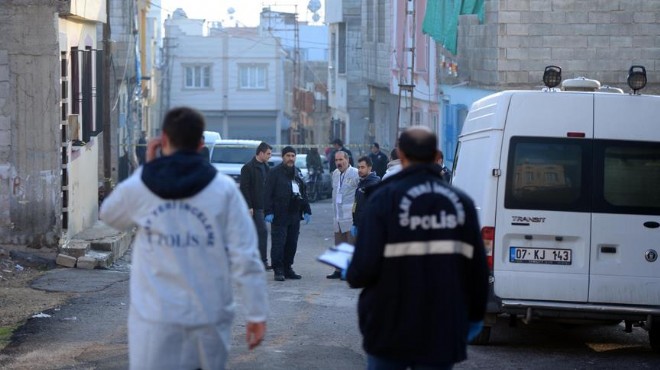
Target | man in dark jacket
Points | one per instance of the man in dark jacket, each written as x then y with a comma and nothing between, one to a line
420,258
378,160
253,179
367,179
444,171
285,205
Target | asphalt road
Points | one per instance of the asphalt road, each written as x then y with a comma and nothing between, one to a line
313,325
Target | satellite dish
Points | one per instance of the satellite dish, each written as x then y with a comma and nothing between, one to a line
314,5
231,10
316,17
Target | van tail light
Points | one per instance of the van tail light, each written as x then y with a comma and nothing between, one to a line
488,235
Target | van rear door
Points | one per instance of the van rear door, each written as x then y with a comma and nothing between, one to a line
542,220
626,218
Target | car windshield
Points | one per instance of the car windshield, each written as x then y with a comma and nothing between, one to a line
232,154
301,161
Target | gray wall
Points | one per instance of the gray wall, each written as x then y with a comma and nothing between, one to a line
30,174
596,39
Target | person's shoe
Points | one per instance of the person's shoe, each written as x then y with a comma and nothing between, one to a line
279,275
290,274
334,275
267,266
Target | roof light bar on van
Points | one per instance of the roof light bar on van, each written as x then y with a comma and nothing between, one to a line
575,134
552,76
636,78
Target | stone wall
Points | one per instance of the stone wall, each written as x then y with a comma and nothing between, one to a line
596,39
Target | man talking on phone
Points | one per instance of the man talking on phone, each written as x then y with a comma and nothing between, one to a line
194,239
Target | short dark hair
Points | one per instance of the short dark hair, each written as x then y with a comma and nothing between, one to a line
419,144
338,142
366,160
184,127
394,154
440,154
263,147
376,145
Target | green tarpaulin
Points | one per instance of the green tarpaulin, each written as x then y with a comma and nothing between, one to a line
441,19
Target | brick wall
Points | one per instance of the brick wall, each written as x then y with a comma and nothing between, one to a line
596,39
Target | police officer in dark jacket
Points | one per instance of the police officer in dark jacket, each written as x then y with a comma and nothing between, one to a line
367,179
253,179
420,258
285,205
378,160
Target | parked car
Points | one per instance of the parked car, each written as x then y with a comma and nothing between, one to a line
229,156
275,160
210,137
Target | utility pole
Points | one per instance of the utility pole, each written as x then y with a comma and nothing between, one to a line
296,78
407,82
107,124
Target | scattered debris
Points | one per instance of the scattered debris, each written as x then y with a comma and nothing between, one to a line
40,315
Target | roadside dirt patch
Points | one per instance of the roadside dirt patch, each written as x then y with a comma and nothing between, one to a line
18,302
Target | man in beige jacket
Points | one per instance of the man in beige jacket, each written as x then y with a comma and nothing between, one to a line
344,182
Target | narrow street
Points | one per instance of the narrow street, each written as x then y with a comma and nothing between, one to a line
312,325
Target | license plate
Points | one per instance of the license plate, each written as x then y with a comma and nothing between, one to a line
540,255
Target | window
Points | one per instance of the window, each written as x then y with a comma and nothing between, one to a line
370,17
630,174
381,21
548,174
198,77
341,48
252,77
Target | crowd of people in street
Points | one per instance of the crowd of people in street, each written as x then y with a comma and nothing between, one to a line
419,257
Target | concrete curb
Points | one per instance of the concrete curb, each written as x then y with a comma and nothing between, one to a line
96,247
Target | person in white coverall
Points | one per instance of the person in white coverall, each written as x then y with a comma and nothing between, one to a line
345,179
194,238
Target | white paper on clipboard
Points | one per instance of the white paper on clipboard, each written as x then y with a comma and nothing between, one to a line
337,256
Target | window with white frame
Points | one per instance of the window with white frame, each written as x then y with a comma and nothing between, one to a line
252,76
197,76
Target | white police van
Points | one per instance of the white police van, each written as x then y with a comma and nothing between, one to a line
567,187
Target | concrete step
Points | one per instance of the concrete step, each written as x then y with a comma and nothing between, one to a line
96,247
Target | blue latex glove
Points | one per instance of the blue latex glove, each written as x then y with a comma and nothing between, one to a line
474,328
307,217
269,218
354,231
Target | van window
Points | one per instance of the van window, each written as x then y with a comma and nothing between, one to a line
630,174
232,154
547,173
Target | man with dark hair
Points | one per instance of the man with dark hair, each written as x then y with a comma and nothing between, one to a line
253,180
285,205
338,146
194,240
378,159
420,258
444,171
367,178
